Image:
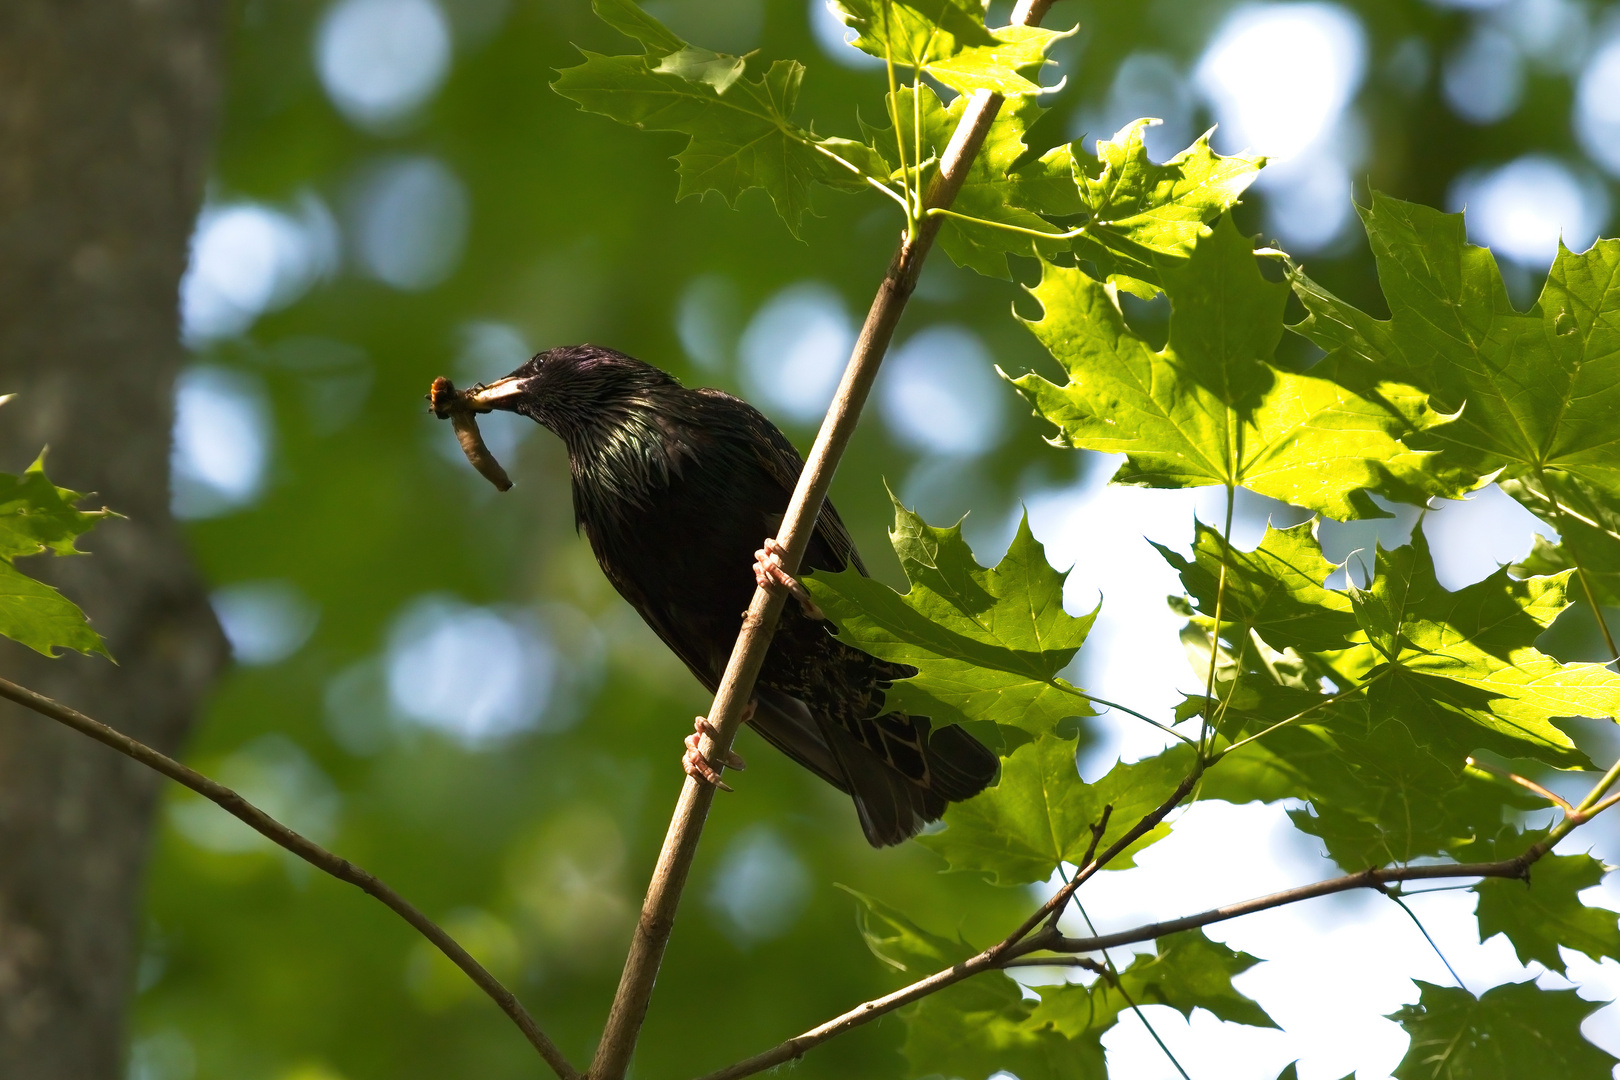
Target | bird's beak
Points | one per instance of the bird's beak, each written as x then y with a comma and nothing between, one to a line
500,394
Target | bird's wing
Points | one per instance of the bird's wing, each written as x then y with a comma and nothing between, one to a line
692,649
781,460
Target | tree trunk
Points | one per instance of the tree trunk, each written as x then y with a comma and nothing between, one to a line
107,108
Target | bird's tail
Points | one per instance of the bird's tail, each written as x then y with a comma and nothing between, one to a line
900,773
909,781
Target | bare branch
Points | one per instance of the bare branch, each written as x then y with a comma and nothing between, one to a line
1518,867
1524,782
657,920
1084,874
305,849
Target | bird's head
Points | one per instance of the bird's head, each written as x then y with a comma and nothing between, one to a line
574,388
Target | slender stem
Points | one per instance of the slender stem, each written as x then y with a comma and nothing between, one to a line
1524,782
1092,866
874,181
1366,879
1017,950
1105,703
1085,962
657,920
1070,235
1600,789
1302,714
1210,726
1426,936
306,849
894,118
1113,970
1599,808
1564,530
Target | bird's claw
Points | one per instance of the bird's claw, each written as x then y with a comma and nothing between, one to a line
697,766
771,573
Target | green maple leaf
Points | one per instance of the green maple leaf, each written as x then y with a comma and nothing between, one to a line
1040,812
1538,391
1379,796
1539,915
948,41
1187,972
37,516
1276,590
1136,213
1511,1032
987,643
983,1026
741,130
901,943
1588,522
1468,656
1210,408
1386,777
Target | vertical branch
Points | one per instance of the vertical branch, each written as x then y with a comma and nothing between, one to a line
658,910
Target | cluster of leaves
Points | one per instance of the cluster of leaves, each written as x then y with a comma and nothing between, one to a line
37,516
1375,704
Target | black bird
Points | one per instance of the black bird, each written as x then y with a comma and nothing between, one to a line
676,489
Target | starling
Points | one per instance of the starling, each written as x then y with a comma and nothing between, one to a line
680,493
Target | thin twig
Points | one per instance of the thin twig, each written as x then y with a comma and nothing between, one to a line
1119,985
1366,879
1013,952
1302,714
1524,782
306,849
1580,569
1599,789
1085,962
998,956
657,920
1098,827
1085,872
1047,942
1105,703
1395,896
1069,235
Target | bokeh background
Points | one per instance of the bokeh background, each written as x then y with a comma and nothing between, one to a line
436,681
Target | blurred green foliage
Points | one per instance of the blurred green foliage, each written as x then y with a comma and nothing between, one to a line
534,849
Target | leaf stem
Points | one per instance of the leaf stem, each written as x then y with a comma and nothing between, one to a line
320,858
1324,703
1599,789
1580,569
1395,896
1070,235
894,119
1210,725
1105,703
880,185
1113,970
1524,782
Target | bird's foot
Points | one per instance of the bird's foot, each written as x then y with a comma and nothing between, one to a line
697,766
771,573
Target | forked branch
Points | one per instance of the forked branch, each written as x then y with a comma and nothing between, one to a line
303,847
1019,948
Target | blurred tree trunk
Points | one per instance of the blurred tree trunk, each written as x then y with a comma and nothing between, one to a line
107,111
